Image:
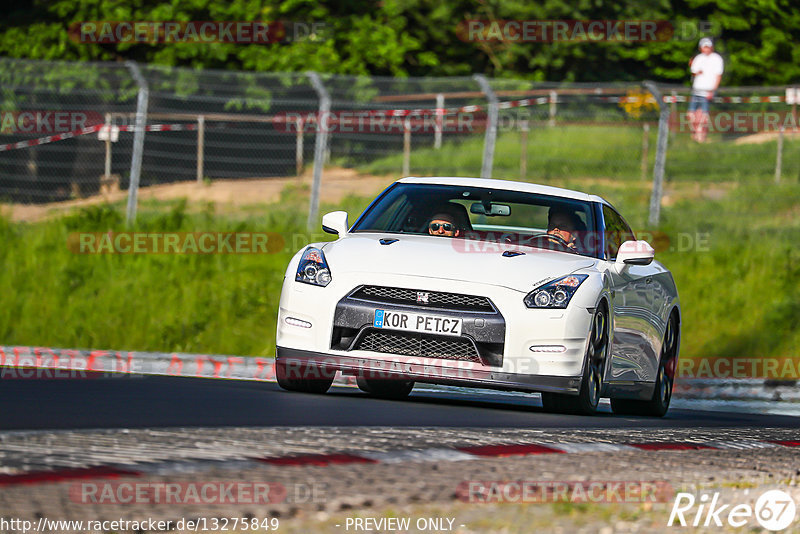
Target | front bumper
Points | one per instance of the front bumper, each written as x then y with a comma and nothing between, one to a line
482,331
518,327
305,364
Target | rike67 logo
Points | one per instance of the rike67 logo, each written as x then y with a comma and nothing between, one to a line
774,510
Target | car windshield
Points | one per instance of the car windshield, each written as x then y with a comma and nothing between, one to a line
488,215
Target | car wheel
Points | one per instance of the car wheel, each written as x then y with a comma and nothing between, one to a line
305,385
658,405
387,389
588,397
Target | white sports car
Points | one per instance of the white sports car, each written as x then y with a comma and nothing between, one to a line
483,283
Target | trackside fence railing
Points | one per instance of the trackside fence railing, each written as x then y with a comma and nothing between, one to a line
73,130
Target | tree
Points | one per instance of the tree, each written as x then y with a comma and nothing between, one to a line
425,37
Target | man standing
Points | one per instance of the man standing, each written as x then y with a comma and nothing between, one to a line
706,67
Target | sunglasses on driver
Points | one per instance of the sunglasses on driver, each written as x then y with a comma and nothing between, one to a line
434,227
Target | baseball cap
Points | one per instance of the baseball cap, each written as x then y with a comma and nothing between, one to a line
705,41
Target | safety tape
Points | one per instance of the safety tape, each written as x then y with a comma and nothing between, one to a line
730,99
92,129
525,102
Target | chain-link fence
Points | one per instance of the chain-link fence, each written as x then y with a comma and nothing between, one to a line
47,101
67,129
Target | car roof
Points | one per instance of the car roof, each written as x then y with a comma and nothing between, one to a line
507,185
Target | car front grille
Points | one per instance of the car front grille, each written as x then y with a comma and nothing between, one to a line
428,299
418,345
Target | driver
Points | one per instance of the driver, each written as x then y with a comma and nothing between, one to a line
563,224
443,225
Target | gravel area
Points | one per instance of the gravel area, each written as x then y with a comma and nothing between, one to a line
320,497
36,450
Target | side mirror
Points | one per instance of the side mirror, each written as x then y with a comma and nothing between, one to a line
335,222
635,253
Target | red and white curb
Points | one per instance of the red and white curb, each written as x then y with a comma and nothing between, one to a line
455,454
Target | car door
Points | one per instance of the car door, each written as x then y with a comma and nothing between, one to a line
633,357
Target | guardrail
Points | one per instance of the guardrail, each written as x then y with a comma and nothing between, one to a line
22,362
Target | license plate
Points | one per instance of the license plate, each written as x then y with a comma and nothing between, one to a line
417,322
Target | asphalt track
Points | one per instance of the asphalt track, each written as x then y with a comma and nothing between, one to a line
155,401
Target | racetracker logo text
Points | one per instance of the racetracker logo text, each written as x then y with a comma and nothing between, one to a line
551,31
47,121
379,122
175,242
547,491
243,32
737,122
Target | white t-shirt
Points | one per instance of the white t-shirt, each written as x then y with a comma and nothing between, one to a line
709,67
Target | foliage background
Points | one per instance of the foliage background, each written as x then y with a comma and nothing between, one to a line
419,37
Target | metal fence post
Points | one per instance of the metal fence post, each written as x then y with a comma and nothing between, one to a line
674,102
779,159
645,148
320,143
661,154
138,139
553,107
298,149
201,140
107,167
406,147
523,149
491,126
437,133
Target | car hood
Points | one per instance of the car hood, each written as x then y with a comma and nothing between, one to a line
450,259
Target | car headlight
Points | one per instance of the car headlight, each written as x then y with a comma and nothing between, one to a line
313,269
555,294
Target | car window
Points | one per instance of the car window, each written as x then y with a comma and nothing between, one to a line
395,212
510,217
617,232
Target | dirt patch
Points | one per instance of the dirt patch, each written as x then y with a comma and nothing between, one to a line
337,183
696,190
764,137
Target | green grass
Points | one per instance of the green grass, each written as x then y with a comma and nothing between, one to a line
741,297
740,293
218,303
568,152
